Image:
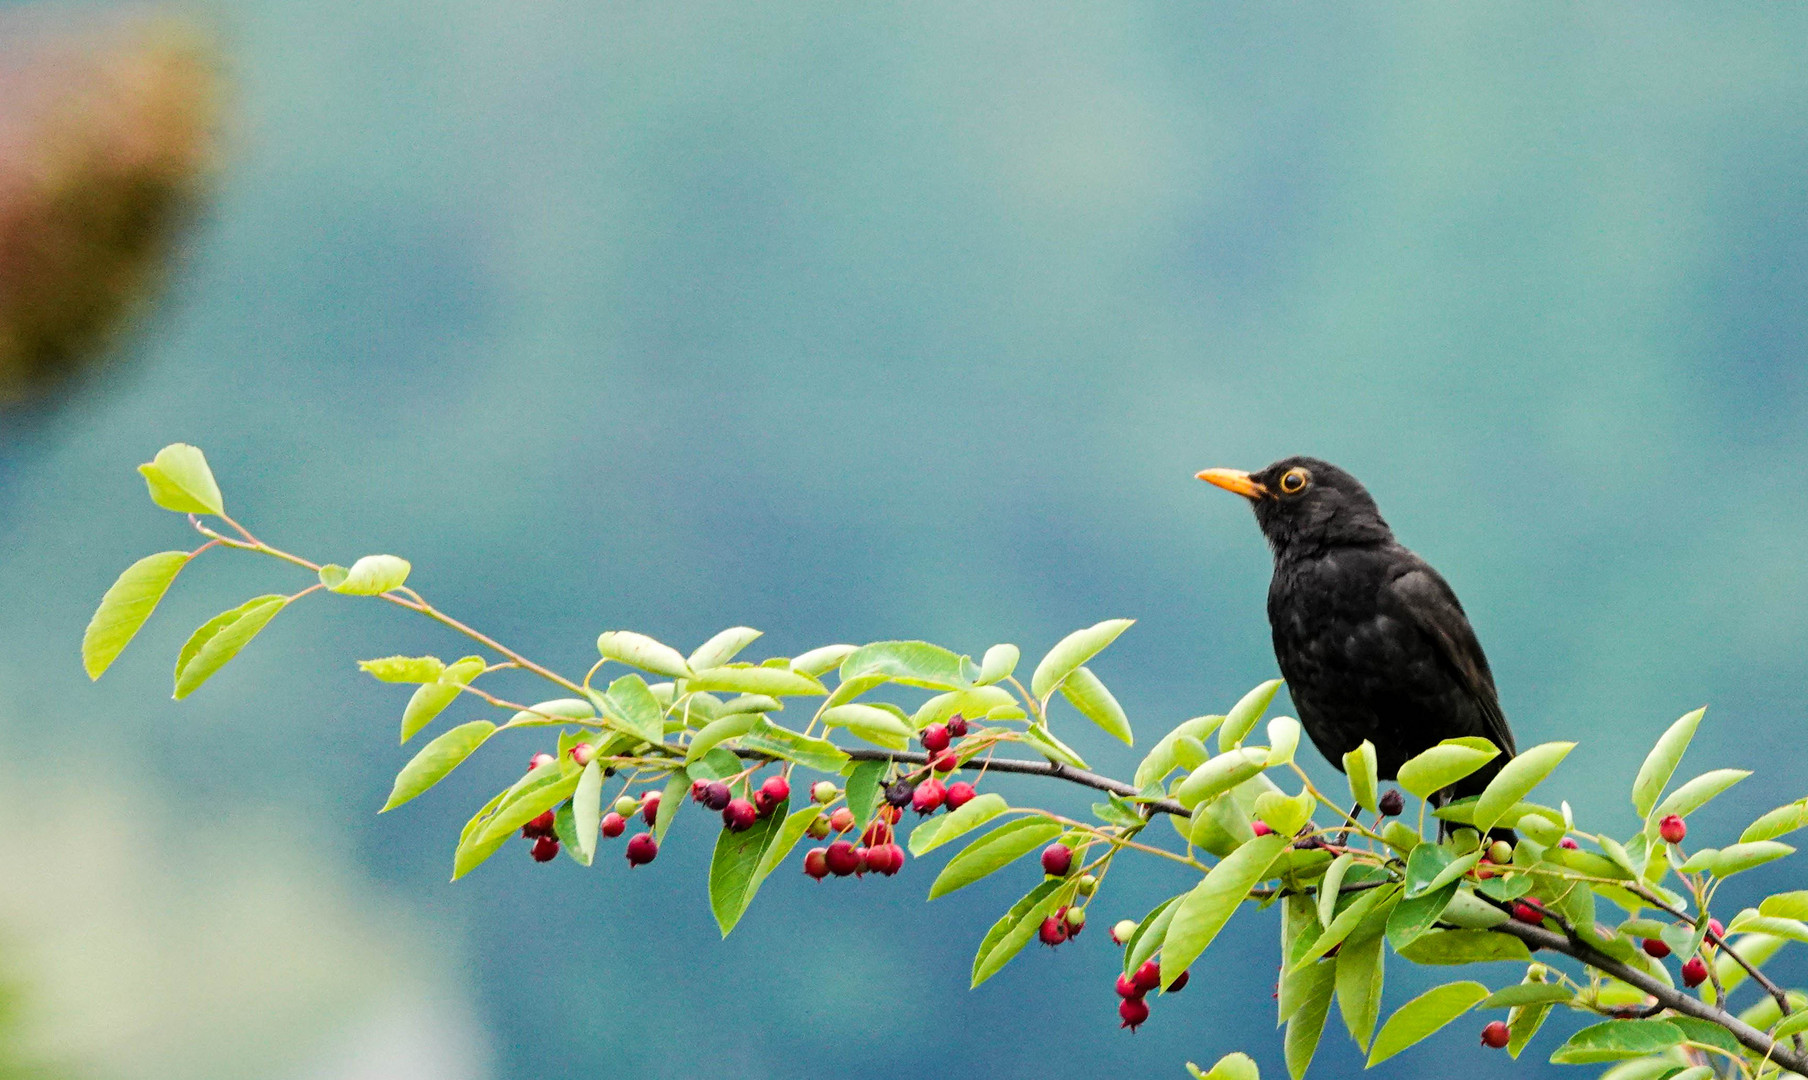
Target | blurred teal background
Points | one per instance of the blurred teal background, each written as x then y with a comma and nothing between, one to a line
865,321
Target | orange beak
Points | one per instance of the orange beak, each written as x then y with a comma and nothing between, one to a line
1234,480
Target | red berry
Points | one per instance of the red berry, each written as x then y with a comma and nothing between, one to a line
1053,932
1715,930
546,849
935,738
841,858
1495,1035
764,804
776,788
1673,829
540,826
957,726
1148,977
960,793
1260,828
642,849
583,753
1075,919
928,797
841,820
739,815
538,760
894,859
716,795
891,815
614,824
1127,988
1568,843
1695,972
649,807
1391,803
816,863
861,865
700,790
1180,982
945,762
876,832
1134,1011
1529,910
1057,860
1655,948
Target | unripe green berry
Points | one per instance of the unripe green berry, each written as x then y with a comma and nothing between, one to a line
824,792
1537,972
1076,918
1122,931
1500,853
1465,840
626,806
1086,884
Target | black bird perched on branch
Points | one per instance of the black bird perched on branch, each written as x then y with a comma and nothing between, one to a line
1371,640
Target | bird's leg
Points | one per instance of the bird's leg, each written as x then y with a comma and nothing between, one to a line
1343,837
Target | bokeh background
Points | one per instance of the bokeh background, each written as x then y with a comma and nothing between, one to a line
865,321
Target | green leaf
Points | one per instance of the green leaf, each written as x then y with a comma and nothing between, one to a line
539,791
1220,774
783,844
1424,1016
1347,922
630,708
1469,912
1789,905
1782,820
1444,764
869,722
734,866
717,731
220,638
1660,764
1014,929
1527,993
1150,933
1229,1067
912,663
994,850
1359,766
1119,811
722,648
1210,904
1793,1024
806,750
1164,757
565,827
1515,781
1465,947
1085,692
936,831
1052,748
1329,886
1737,858
1425,865
128,602
1617,1040
1283,740
863,790
1410,918
552,713
1695,794
431,699
997,664
756,679
970,703
179,480
373,575
1361,965
404,669
1285,814
1072,651
437,759
587,809
1241,719
677,787
1522,1024
641,651
1307,1024
819,662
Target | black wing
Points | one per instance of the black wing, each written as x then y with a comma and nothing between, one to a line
1420,596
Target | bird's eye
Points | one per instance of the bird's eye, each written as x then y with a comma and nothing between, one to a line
1293,481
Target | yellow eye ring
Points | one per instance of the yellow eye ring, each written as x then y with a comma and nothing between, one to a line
1293,481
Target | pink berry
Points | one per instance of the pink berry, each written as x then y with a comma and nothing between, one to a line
1655,948
927,798
546,849
841,858
1495,1035
1057,860
876,832
764,804
935,738
861,865
946,762
540,826
960,793
614,824
957,726
1715,930
1148,977
841,820
649,807
1127,988
1568,843
816,863
739,815
716,795
538,760
1673,829
1134,1011
1695,972
1529,910
776,788
642,849
583,753
891,815
700,790
1053,931
1179,982
1260,828
894,860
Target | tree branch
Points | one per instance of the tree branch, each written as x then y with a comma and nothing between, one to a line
1029,768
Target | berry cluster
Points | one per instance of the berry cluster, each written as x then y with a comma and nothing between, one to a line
1133,987
642,848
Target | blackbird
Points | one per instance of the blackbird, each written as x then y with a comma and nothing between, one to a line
1371,640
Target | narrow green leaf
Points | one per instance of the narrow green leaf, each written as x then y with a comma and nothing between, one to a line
806,750
587,809
1359,766
677,787
784,843
373,575
179,480
1469,912
1522,1024
1465,947
1211,903
1660,764
1072,651
404,669
1425,865
717,731
1220,774
1784,819
1516,779
1424,1016
431,699
1085,692
1527,993
756,679
1695,794
540,791
936,831
1617,1040
1788,905
735,863
1410,918
1444,764
1285,814
1738,858
1013,930
972,703
565,828
1794,1024
1354,916
552,713
643,652
1306,1025
1360,969
128,602
436,759
912,663
1150,933
1229,1067
869,722
997,664
1052,748
1283,740
1241,719
863,790
630,708
819,662
1329,885
220,638
722,648
994,850
1164,757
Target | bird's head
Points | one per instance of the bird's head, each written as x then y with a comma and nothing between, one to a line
1304,503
